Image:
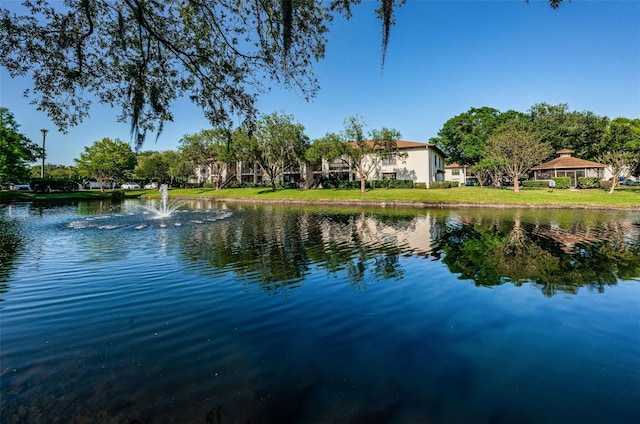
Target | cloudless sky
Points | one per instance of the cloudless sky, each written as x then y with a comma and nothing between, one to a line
444,57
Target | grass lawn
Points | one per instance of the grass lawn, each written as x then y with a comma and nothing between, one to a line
624,198
464,196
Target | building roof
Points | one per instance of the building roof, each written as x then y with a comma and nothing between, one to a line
402,144
406,145
454,165
567,162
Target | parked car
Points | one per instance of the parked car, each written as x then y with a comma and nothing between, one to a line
22,186
151,185
130,186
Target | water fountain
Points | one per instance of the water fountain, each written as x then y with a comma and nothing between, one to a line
163,213
166,208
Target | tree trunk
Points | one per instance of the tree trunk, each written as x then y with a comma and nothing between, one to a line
516,184
614,183
363,182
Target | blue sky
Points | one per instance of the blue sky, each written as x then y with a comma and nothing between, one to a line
444,57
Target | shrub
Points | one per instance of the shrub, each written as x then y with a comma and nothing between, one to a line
117,195
243,185
535,183
420,185
343,184
589,182
441,184
207,185
605,185
289,184
45,185
392,183
562,182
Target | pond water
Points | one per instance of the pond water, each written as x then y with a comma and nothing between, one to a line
227,313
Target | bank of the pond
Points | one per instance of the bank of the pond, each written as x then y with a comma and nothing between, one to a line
476,197
456,197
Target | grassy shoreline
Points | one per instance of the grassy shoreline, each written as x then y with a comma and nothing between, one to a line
628,199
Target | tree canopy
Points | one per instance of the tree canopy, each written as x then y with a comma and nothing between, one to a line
16,150
355,149
211,148
106,159
582,132
142,55
516,148
276,143
464,137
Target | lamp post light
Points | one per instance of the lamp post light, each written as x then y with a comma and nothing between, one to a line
44,136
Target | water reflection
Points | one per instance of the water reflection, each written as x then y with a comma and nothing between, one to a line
12,243
275,248
369,324
559,251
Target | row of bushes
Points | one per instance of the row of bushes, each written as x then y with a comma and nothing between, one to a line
565,182
392,184
444,184
47,185
346,185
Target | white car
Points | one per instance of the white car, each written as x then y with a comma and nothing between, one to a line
130,186
151,185
23,187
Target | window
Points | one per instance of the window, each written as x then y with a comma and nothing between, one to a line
388,175
455,171
388,161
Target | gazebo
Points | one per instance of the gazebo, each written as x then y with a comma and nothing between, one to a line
566,165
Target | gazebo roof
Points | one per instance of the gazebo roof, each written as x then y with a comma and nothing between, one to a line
567,162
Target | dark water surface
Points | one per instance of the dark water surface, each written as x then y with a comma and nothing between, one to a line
237,314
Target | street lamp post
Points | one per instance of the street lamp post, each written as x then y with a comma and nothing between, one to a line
44,136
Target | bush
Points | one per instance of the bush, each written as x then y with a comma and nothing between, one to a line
117,195
606,185
589,182
562,182
392,183
207,185
535,183
420,185
289,184
243,185
46,185
343,184
443,184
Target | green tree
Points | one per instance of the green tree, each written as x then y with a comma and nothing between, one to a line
150,165
60,172
142,55
621,163
517,149
623,134
485,171
464,137
106,159
361,153
276,144
16,150
178,168
582,132
210,148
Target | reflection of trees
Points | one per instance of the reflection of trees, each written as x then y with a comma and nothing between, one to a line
277,247
11,245
558,250
557,255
